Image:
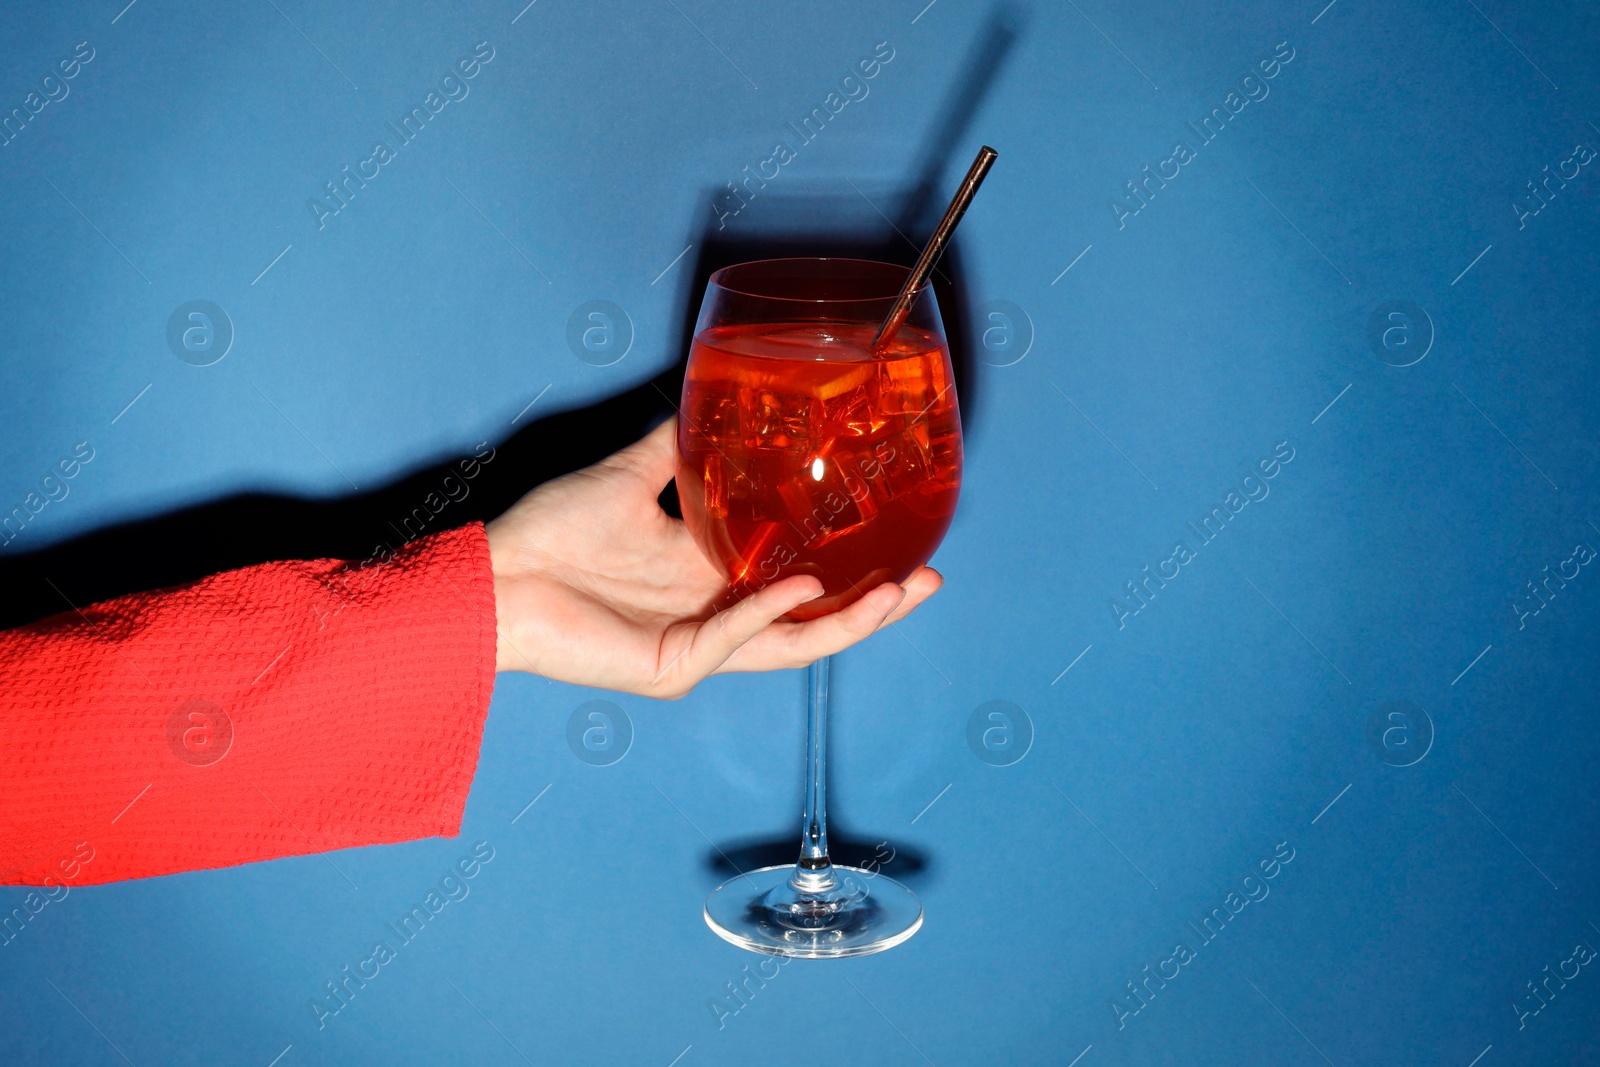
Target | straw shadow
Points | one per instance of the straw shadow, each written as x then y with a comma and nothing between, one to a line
979,68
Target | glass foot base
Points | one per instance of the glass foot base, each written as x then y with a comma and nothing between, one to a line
838,911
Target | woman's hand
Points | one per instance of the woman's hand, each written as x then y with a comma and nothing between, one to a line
596,585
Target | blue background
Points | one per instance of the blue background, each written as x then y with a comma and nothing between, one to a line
1179,750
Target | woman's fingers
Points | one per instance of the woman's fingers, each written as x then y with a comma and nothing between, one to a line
812,640
713,641
922,584
795,644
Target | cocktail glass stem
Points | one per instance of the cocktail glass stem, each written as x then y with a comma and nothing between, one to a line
813,873
811,908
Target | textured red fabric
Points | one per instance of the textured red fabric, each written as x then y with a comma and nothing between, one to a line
356,694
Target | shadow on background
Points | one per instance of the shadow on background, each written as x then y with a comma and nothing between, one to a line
250,528
946,143
844,220
902,863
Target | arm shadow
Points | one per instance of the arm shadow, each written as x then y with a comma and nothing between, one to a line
252,527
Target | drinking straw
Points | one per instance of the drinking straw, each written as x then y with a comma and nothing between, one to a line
935,247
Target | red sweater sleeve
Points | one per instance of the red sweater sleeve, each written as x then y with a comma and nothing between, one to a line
277,710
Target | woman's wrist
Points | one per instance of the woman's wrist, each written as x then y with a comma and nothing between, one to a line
517,602
506,656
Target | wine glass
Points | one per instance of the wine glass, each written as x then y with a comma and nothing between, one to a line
803,449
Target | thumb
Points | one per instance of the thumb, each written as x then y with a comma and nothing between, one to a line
719,637
654,457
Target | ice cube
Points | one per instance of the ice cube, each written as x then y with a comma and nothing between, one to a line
907,387
757,476
786,421
829,499
714,415
852,413
717,476
945,447
906,460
